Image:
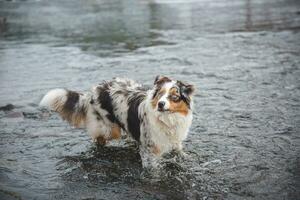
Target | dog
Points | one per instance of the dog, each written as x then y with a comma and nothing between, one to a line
158,118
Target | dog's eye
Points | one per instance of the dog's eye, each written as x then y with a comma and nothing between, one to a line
174,98
161,93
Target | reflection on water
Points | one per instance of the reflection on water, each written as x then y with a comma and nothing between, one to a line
127,25
243,57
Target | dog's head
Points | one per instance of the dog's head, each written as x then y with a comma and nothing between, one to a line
172,96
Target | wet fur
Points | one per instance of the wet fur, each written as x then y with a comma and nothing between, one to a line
122,105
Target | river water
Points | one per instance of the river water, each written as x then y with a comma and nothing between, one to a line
243,57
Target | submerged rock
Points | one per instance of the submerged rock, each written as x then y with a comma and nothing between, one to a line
7,107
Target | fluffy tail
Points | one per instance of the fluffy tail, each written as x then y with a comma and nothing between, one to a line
72,106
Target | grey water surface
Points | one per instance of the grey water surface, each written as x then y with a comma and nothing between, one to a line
242,55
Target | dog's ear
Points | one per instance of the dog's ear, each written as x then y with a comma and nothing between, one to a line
189,90
161,79
156,79
186,90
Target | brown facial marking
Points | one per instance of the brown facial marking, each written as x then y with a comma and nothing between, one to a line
160,93
115,132
179,107
176,103
174,91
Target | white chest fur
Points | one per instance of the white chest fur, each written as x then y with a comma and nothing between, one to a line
166,130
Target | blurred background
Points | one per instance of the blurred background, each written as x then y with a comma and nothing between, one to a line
242,55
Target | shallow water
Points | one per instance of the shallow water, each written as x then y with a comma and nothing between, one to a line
243,56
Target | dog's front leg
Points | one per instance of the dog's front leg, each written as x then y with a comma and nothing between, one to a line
150,156
177,147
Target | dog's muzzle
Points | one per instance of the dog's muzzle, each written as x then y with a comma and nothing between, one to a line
161,106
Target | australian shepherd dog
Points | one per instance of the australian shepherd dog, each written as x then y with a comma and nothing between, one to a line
158,118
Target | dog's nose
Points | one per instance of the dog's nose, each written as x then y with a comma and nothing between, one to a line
161,104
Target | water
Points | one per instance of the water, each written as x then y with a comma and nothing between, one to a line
243,57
